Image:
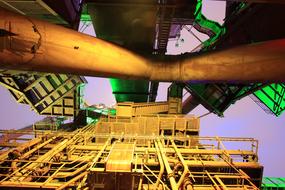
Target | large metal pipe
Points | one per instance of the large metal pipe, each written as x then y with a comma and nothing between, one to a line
33,45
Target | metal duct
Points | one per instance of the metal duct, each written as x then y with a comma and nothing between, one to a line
40,46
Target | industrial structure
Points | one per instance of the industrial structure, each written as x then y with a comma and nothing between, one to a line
141,143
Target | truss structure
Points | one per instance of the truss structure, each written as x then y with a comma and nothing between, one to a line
47,94
118,158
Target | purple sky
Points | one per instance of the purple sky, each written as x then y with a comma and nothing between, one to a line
243,119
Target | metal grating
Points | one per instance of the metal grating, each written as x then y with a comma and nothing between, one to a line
273,97
218,97
47,94
270,183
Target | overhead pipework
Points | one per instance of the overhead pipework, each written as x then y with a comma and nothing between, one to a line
34,45
139,144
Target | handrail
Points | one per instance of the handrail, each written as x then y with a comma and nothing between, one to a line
186,170
161,165
168,169
157,177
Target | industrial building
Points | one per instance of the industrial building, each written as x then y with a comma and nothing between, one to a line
140,143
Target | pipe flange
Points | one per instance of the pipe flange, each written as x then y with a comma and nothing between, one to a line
170,175
187,182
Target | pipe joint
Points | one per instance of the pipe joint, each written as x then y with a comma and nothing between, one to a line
170,175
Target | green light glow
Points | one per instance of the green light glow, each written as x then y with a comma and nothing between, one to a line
104,111
84,14
215,27
273,182
112,111
242,5
91,120
85,17
80,92
130,90
273,96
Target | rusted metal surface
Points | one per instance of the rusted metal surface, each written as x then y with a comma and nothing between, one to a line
40,46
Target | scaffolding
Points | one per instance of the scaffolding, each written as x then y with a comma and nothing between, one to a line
88,158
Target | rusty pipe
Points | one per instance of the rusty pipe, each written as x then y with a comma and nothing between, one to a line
46,157
66,184
167,167
161,166
32,45
20,148
185,167
27,154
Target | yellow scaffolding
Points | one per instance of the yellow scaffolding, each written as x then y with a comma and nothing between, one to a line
88,159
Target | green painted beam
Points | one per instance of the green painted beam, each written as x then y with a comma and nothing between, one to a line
215,27
270,183
130,90
85,17
84,13
273,97
218,97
